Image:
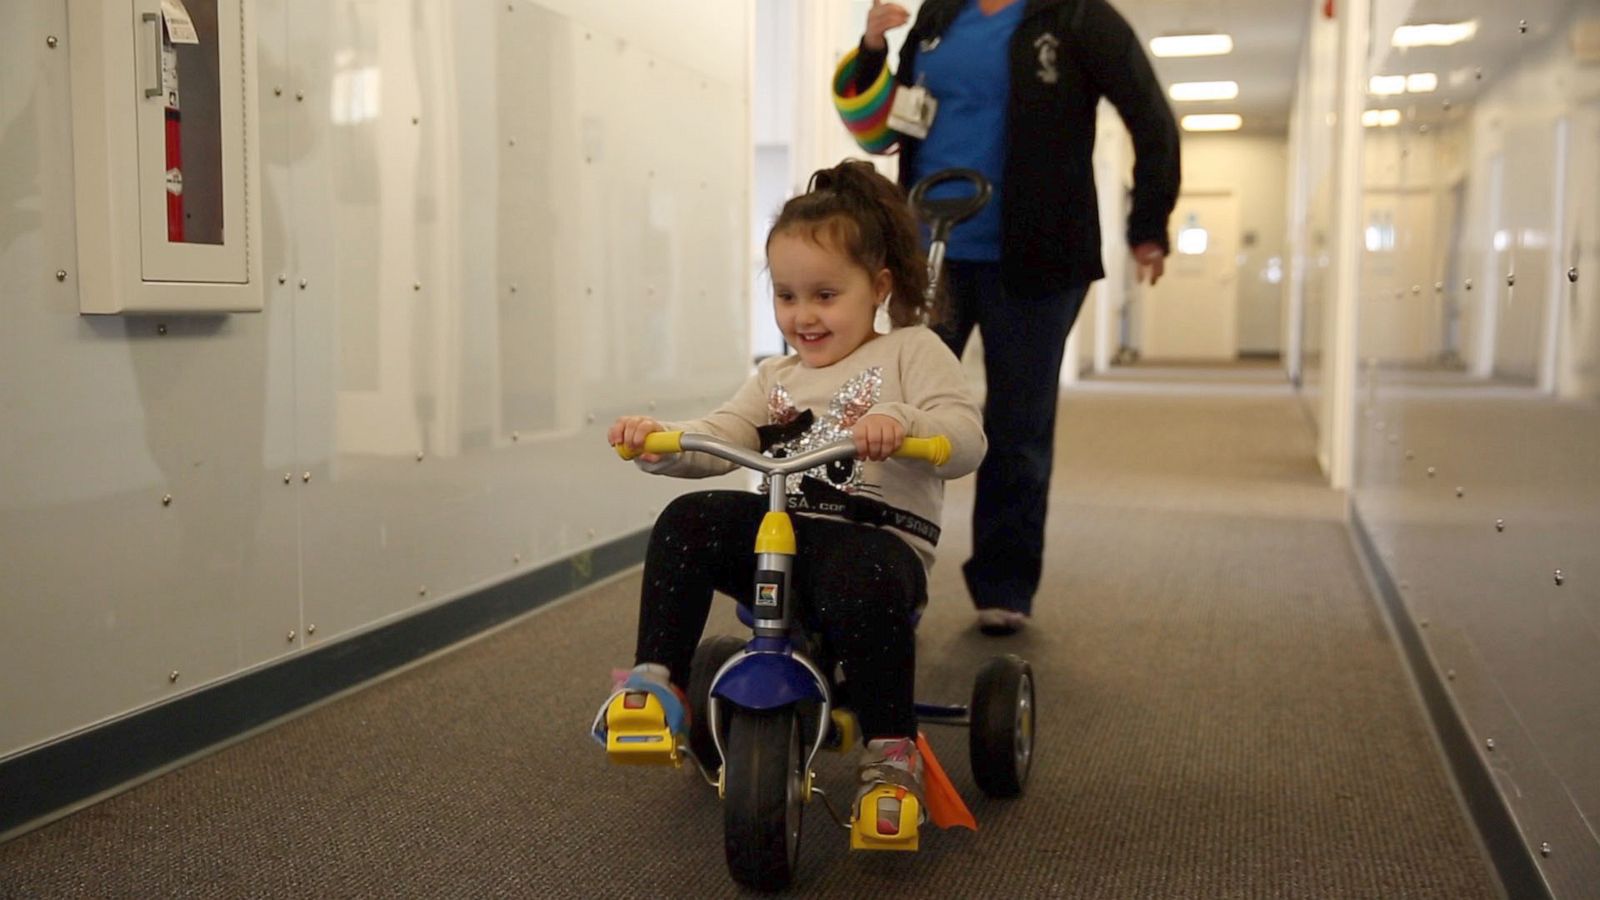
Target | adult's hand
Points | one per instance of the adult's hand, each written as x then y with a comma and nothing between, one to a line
881,18
1152,262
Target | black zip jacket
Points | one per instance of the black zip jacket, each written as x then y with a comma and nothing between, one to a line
1065,56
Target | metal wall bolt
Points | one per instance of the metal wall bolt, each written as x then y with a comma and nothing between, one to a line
167,501
416,120
277,90
1416,289
420,455
1477,74
515,436
416,285
590,417
291,636
1499,524
1511,279
306,477
288,478
1422,129
1461,492
516,559
422,591
1469,284
51,42
1447,106
303,283
1489,742
1560,578
311,629
1522,27
1432,471
1450,674
511,143
513,288
161,329
1438,287
61,274
1572,274
1544,848
283,279
299,95
1410,456
172,677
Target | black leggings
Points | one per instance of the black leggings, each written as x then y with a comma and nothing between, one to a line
858,587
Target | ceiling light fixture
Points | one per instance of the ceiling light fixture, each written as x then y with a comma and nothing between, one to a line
1422,83
1435,35
1204,90
1192,45
1380,118
1214,122
1386,85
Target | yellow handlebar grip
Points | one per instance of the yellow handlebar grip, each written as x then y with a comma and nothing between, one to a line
934,449
655,442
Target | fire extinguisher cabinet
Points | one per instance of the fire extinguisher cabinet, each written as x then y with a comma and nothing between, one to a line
163,138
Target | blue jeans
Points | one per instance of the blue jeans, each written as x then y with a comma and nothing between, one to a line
1024,338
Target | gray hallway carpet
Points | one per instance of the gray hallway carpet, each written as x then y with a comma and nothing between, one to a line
1222,714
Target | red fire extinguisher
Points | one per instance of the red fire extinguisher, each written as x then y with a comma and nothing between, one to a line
174,141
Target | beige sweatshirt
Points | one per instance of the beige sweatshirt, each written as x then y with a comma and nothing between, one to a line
787,407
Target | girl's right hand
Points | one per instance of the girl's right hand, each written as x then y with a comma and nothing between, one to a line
881,18
632,430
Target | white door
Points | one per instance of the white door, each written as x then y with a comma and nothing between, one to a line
1192,314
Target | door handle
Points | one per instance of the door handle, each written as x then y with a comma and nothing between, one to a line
153,18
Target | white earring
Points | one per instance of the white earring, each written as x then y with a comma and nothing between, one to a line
881,323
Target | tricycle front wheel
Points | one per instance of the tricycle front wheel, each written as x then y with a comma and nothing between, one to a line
763,796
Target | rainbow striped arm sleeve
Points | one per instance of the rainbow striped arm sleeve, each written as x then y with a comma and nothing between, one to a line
865,114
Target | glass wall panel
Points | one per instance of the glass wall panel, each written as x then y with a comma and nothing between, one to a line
1477,476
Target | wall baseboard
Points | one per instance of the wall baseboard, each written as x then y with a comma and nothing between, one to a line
48,782
1510,855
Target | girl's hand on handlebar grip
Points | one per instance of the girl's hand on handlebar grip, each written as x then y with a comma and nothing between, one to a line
630,431
878,436
881,18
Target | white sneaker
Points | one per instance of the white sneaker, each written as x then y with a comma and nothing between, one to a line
1001,622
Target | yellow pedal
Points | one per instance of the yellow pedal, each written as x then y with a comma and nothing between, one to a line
636,732
887,820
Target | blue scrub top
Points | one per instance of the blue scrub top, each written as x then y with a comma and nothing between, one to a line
967,71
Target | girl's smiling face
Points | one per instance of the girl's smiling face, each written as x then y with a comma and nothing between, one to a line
823,300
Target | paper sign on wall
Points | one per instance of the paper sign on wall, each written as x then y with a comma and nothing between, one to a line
180,27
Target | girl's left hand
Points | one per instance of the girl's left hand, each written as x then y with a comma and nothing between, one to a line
878,436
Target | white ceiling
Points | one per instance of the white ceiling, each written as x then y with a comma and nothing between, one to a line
1267,39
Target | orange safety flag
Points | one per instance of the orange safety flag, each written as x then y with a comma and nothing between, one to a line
945,806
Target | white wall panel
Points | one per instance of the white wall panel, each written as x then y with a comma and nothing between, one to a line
497,226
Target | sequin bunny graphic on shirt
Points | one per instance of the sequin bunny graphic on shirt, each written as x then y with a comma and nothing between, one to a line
794,431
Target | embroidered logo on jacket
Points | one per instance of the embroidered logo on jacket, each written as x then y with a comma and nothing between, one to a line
1047,45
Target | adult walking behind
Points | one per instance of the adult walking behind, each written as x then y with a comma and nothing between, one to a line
1015,85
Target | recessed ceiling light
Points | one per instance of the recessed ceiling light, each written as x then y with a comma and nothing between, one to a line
1386,85
1435,35
1380,118
1422,83
1204,90
1214,122
1192,45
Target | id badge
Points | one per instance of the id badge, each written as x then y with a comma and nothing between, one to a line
912,111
